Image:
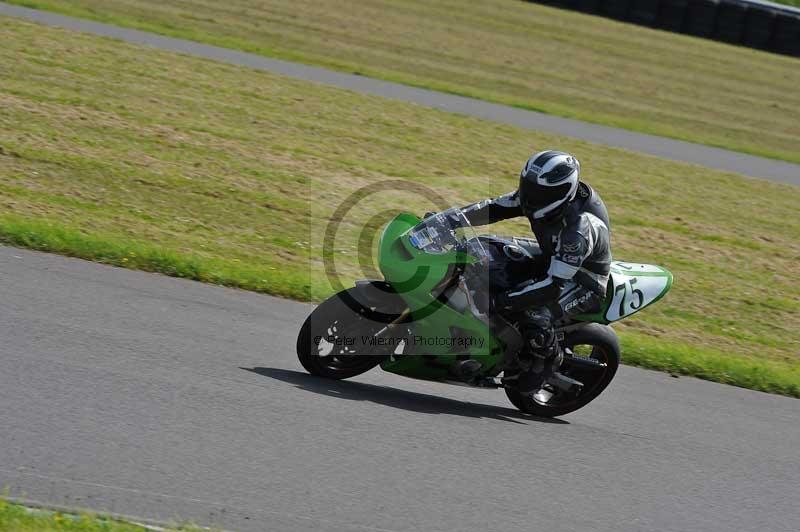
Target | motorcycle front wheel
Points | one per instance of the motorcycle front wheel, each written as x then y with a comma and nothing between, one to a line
333,341
592,357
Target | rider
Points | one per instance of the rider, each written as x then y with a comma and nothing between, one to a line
572,229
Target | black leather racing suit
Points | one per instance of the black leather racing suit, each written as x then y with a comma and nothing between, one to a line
578,247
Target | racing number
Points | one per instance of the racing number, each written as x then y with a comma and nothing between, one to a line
634,291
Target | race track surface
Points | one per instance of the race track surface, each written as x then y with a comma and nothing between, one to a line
163,398
707,156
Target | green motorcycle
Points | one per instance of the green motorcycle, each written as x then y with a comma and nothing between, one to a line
431,311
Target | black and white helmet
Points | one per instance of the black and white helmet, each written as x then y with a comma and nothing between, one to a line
548,183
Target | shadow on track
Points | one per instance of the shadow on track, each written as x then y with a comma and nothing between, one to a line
402,399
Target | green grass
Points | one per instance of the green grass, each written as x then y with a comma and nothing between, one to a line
19,518
519,53
141,255
712,364
156,161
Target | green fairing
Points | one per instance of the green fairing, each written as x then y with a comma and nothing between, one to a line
414,274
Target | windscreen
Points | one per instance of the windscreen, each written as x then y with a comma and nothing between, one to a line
447,231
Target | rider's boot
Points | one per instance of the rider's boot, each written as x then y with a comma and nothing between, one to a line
542,348
544,366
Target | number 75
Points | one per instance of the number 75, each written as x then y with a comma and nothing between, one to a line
624,288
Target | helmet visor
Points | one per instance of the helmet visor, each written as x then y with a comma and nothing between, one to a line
558,174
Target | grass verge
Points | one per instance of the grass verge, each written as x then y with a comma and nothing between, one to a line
141,255
166,163
507,51
710,364
20,518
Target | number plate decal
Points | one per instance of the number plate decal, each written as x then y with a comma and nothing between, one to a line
634,287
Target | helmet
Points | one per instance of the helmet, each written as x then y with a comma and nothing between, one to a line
548,183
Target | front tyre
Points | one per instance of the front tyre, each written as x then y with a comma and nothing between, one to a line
331,341
592,357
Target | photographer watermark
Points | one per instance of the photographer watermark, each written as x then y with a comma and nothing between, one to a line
456,343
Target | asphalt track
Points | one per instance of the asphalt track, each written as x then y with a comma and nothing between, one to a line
707,156
144,395
138,394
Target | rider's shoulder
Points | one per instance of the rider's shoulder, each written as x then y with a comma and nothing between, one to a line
588,201
578,220
588,197
584,191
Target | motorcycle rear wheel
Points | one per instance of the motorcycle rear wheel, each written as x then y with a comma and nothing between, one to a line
338,318
596,373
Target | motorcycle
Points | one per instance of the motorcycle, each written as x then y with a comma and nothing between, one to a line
432,311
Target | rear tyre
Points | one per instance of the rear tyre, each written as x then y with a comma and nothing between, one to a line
597,355
331,341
